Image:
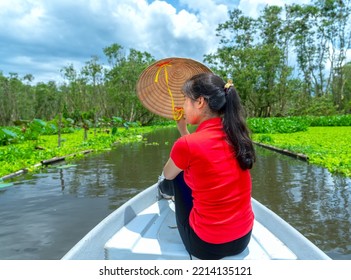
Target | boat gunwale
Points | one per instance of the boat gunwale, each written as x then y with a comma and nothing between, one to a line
91,246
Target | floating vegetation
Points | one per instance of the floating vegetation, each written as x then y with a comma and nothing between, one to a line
329,147
64,166
25,155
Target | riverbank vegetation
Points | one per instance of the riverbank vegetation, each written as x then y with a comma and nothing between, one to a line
22,153
326,141
286,103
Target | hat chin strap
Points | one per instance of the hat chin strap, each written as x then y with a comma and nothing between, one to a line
176,111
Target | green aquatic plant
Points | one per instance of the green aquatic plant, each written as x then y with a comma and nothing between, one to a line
29,154
329,147
277,125
65,166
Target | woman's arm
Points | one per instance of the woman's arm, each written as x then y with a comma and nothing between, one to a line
170,170
182,127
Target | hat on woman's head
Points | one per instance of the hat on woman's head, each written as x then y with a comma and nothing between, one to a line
159,87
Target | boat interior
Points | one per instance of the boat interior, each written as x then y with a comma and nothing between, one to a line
153,234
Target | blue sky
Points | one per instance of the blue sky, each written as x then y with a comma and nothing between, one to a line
40,37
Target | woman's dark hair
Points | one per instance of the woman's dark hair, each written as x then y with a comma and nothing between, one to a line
226,102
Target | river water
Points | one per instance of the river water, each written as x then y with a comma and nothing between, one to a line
45,213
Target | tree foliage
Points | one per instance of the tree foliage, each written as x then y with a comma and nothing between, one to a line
88,95
290,60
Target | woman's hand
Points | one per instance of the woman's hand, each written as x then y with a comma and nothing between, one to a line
182,126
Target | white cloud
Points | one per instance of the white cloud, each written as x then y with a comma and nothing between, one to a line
58,31
162,30
40,37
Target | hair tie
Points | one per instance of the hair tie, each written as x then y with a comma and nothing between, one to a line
228,85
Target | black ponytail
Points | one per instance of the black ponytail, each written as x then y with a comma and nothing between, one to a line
235,126
225,101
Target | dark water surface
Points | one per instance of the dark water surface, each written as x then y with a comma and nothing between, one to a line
44,214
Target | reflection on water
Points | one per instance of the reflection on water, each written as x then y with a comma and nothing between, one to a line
309,198
44,214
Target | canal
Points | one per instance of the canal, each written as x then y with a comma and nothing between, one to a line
43,214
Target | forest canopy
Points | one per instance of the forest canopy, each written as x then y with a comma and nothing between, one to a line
289,61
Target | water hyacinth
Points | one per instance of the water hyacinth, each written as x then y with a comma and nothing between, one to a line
329,147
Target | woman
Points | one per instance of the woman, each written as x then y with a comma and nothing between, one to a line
210,170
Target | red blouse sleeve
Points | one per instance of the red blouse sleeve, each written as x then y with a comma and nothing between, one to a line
180,153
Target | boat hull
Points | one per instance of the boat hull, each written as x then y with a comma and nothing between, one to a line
145,228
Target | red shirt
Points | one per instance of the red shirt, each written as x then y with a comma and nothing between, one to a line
221,190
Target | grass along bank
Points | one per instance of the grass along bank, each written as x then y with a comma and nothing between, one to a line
28,155
329,147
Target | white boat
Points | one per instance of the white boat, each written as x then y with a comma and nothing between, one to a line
144,228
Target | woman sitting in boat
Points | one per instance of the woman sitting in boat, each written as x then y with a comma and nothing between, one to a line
210,170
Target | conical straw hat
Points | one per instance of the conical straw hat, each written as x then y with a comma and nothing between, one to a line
159,87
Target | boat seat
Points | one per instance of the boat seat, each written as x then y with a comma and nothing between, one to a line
153,234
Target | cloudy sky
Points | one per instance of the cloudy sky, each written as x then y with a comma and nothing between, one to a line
40,37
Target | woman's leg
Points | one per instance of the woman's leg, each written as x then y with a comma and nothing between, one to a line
208,251
183,205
